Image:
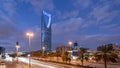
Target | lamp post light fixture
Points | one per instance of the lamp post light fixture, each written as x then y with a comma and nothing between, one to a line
17,47
70,44
29,34
43,48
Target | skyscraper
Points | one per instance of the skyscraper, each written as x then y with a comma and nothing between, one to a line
46,31
2,52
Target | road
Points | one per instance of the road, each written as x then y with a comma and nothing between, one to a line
40,64
23,63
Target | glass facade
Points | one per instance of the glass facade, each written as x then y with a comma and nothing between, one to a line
46,32
2,52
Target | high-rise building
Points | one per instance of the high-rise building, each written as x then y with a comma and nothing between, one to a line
2,52
46,31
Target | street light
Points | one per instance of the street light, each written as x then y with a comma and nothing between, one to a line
29,34
70,44
17,47
43,48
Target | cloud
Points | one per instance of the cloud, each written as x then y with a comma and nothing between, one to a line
9,33
63,15
41,5
82,3
9,7
115,30
86,40
92,41
116,2
67,26
110,26
6,29
66,30
103,14
101,38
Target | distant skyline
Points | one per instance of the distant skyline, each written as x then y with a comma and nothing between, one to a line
89,22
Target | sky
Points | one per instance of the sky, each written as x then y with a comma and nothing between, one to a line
89,22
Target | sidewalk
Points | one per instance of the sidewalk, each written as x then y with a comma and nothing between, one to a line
8,65
13,65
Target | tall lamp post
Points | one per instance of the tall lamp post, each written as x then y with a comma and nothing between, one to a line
29,34
43,48
70,44
17,47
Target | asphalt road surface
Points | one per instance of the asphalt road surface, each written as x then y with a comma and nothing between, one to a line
40,64
24,63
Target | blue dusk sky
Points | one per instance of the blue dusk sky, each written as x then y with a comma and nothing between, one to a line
89,22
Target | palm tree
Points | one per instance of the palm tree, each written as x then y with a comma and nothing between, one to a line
105,53
81,54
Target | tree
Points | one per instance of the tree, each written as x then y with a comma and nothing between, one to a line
81,54
36,53
57,54
106,53
51,54
65,57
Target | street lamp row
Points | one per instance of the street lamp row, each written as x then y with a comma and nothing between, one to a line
29,34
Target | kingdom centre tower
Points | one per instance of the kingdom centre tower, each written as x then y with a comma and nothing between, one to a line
46,31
